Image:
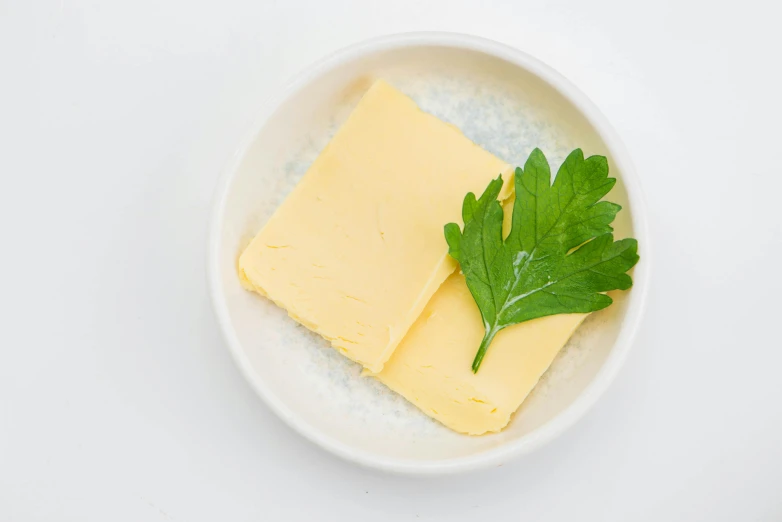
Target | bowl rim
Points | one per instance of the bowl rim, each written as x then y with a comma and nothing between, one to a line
628,329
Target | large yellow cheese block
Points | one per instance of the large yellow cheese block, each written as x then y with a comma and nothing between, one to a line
357,249
431,367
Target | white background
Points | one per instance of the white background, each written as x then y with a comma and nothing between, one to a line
118,398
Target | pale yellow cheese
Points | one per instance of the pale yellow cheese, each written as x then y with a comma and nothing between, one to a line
357,249
431,367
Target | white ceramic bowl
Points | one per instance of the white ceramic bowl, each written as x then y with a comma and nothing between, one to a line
502,99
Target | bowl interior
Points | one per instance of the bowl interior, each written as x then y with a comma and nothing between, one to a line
497,104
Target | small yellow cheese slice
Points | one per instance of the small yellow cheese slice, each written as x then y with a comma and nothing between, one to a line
431,367
357,249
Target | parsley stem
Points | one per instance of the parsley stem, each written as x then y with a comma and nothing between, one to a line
487,339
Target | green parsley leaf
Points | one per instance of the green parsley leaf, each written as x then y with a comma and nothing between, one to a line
560,255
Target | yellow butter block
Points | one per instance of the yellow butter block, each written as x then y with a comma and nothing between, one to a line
431,367
357,249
